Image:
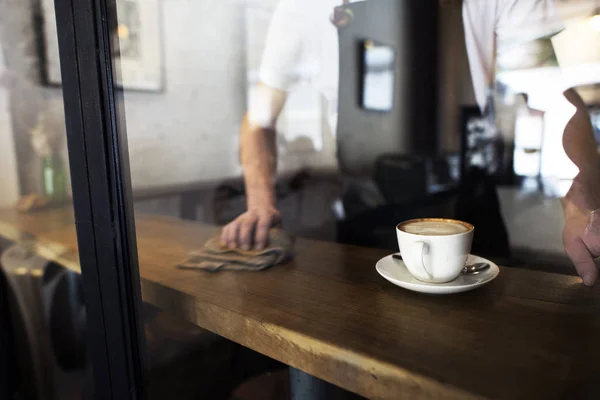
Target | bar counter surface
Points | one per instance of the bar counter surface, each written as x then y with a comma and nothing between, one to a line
526,335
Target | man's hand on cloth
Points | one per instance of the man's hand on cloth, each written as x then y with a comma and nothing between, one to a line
251,229
213,256
581,236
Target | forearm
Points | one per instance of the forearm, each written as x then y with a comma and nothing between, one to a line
258,155
578,139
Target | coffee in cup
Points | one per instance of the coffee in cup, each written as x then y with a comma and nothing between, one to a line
435,250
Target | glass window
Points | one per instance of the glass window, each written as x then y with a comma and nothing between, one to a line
218,180
43,335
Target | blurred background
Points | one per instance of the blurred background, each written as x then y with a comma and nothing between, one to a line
189,69
405,139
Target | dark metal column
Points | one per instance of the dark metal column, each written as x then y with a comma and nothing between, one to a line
102,197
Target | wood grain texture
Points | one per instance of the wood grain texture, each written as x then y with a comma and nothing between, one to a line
527,335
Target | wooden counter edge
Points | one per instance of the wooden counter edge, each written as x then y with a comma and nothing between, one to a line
353,371
361,374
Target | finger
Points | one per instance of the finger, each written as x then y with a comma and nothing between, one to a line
261,236
583,261
224,235
232,233
246,233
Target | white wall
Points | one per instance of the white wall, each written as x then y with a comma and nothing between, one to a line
189,132
9,188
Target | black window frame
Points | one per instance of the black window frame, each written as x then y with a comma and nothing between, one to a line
102,197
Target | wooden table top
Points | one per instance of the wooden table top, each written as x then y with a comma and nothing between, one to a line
526,335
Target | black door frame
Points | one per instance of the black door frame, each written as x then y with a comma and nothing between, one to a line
100,177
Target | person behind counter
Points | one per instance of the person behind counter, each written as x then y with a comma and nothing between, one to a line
301,30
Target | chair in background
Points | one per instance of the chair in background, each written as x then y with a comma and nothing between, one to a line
405,182
50,358
474,200
401,178
376,227
48,328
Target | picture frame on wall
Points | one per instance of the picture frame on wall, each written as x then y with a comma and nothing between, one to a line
138,34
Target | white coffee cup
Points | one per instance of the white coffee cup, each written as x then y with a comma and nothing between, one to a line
435,250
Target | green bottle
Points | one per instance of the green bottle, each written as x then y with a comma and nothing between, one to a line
54,179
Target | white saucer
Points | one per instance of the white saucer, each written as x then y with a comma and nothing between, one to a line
396,272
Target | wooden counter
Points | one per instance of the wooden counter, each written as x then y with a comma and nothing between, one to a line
527,335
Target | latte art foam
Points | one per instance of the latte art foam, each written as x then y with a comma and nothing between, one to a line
434,228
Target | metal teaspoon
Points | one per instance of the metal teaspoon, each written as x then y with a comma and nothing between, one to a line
472,269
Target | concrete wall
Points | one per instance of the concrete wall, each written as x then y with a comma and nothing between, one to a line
19,45
189,132
186,133
9,185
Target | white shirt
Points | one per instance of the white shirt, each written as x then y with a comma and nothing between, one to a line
301,49
302,43
491,25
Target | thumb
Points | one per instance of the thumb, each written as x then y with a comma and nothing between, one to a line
583,261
